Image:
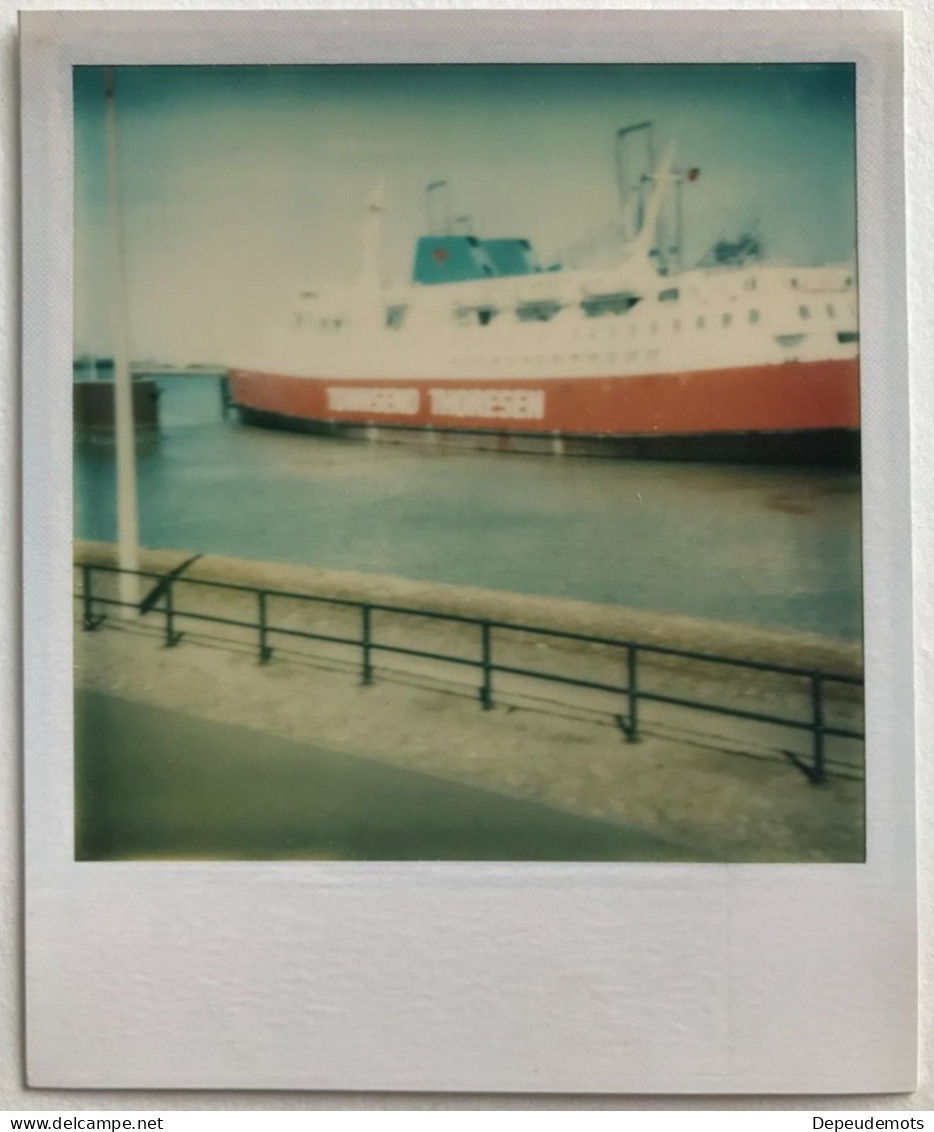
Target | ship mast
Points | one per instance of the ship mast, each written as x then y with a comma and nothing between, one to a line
437,196
642,245
628,187
370,278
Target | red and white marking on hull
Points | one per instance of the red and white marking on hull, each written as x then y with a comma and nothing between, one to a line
786,397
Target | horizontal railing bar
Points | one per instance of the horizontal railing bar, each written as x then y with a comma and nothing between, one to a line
120,570
350,603
98,600
427,655
239,587
756,665
178,614
563,634
308,635
431,614
614,688
843,733
718,709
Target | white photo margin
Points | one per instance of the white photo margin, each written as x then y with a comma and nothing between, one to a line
467,977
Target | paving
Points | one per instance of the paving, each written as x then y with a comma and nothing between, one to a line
719,789
153,783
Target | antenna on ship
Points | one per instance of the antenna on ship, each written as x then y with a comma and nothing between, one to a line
628,186
438,204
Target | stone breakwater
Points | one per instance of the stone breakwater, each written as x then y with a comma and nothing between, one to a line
728,639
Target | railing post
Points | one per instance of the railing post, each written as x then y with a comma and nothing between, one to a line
632,695
265,652
90,622
486,689
366,677
171,637
818,772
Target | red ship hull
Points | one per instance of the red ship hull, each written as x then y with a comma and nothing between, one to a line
798,401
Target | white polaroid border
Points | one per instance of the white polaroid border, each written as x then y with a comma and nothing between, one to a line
471,977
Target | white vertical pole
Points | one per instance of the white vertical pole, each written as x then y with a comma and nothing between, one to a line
127,504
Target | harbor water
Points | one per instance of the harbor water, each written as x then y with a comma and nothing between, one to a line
771,546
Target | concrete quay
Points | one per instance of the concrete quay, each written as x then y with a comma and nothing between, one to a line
718,786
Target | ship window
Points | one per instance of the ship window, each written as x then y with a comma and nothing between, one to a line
701,323
831,311
395,316
668,296
751,284
846,336
805,312
789,339
608,304
753,316
485,316
726,320
537,312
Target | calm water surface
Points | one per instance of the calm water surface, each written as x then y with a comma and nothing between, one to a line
772,546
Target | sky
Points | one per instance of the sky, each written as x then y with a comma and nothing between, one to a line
241,184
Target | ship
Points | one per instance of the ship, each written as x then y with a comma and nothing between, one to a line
734,358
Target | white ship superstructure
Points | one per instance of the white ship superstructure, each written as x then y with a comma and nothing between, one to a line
485,347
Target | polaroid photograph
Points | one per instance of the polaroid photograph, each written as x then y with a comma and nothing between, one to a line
467,502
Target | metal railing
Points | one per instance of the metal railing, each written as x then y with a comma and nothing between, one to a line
161,600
